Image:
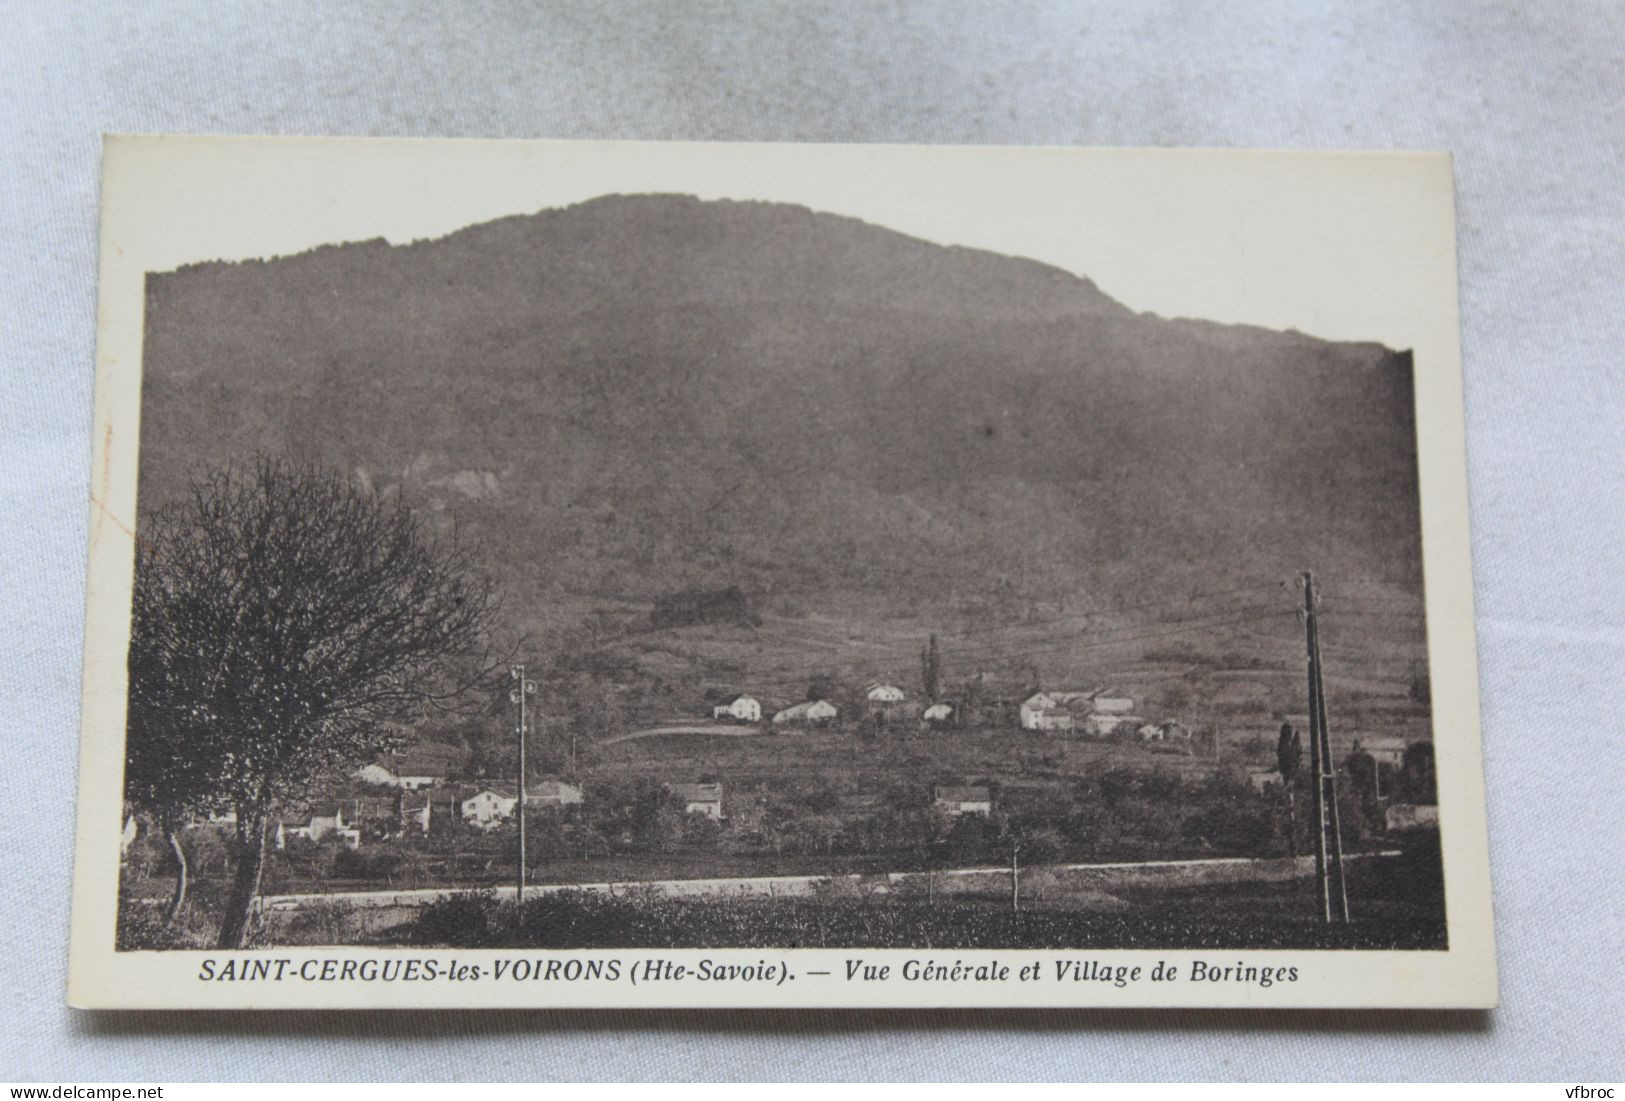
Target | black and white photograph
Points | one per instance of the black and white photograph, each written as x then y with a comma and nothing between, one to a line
657,570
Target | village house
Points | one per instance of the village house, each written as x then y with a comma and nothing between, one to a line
376,774
1262,779
547,793
807,713
1388,751
739,708
703,799
422,775
1034,706
938,714
1053,710
421,766
957,800
1109,712
1076,700
1170,731
324,819
878,693
1410,816
490,806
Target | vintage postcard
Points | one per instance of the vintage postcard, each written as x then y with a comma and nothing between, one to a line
636,574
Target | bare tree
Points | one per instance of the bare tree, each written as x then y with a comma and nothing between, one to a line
283,620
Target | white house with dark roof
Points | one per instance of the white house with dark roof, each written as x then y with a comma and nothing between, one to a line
323,819
703,799
740,708
880,692
808,712
963,799
490,806
1035,706
1262,779
547,792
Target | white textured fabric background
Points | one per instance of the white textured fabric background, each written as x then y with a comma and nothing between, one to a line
1529,97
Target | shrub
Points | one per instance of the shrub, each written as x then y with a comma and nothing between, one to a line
461,919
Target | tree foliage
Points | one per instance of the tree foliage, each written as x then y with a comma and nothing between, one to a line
931,670
282,621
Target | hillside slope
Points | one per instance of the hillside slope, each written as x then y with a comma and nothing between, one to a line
644,393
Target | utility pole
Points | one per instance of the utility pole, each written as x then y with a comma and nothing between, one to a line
523,688
1015,877
1332,891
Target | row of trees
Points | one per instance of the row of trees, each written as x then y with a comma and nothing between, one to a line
282,620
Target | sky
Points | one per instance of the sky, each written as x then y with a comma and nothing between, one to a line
1342,246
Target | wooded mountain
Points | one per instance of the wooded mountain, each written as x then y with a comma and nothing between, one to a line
642,395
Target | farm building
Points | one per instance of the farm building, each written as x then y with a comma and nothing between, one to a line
740,708
957,800
703,799
807,713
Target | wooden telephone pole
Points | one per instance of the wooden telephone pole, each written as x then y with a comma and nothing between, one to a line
1332,891
523,689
